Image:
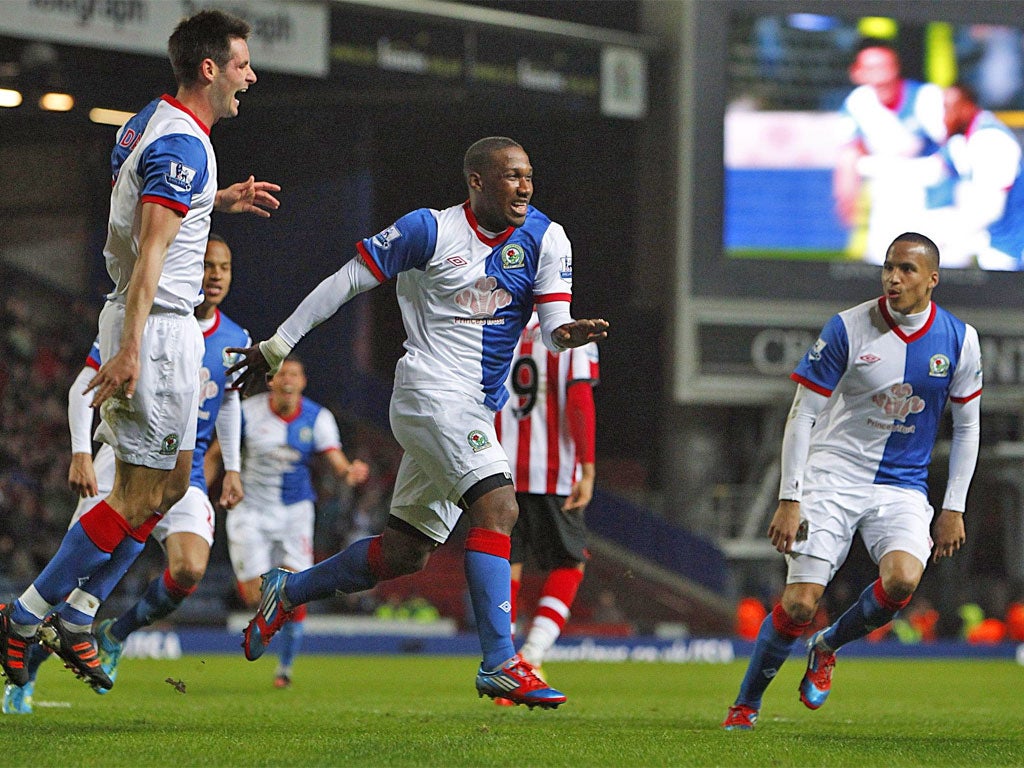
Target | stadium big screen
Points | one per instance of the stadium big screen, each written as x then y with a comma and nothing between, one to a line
769,258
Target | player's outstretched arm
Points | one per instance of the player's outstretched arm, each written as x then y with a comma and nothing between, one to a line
249,196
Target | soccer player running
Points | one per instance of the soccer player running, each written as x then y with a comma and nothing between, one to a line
468,278
186,531
273,526
870,396
547,428
147,389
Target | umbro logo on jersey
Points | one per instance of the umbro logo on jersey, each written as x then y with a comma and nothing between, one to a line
180,175
869,358
457,261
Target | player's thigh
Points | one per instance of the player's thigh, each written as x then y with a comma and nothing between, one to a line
900,521
160,418
249,546
451,438
831,516
416,500
192,514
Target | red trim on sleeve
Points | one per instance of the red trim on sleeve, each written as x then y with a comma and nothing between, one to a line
966,399
810,385
582,417
371,264
174,205
549,297
90,363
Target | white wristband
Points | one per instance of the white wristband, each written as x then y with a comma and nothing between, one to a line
275,350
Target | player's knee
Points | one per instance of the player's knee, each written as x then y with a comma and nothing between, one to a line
404,561
899,586
799,607
188,574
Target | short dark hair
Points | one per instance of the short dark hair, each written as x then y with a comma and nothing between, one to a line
215,238
875,42
930,248
205,35
478,156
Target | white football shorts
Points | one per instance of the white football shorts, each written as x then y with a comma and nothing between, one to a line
262,537
160,419
889,518
450,445
192,514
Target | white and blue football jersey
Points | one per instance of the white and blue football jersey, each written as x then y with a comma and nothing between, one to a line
887,391
213,383
163,155
277,451
466,296
913,127
990,157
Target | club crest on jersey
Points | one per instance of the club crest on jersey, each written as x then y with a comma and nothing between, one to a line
306,435
169,445
478,441
938,366
180,175
814,354
384,239
513,257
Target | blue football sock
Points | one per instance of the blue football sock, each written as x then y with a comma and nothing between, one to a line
105,579
77,557
771,649
348,571
156,603
861,618
37,654
488,577
290,643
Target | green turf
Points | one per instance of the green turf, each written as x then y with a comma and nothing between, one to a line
423,711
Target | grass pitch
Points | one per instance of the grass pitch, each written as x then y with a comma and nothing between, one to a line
423,711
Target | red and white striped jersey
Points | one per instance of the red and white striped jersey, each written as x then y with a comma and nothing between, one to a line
533,426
